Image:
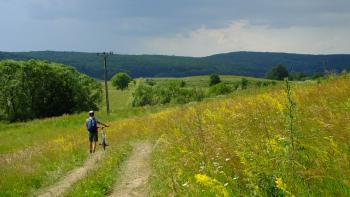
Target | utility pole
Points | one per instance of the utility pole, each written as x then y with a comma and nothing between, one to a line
105,55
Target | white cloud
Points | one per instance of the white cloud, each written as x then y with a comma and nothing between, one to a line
242,36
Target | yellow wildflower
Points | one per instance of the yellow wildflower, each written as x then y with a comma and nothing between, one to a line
213,184
282,186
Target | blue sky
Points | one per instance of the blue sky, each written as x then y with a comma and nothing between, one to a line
182,27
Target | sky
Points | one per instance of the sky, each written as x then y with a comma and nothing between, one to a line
176,27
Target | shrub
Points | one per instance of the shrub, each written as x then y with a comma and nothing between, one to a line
244,83
258,83
171,92
150,82
297,76
264,83
142,95
186,95
219,89
182,83
214,79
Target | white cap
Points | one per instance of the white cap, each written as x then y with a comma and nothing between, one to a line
91,112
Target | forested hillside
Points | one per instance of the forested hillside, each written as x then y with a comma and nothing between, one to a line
235,63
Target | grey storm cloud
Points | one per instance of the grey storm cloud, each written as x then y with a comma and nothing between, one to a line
126,25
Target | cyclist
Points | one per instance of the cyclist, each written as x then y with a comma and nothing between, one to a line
92,127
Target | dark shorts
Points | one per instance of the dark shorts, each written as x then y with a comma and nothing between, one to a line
93,136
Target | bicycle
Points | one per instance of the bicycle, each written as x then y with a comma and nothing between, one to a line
103,138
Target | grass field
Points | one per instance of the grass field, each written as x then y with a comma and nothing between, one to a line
242,144
203,81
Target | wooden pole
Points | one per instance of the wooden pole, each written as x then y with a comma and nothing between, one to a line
105,55
106,84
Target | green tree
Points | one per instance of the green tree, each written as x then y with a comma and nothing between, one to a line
214,79
121,80
279,72
36,89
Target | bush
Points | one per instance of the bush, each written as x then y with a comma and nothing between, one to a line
150,82
214,79
188,95
36,89
297,76
142,95
244,83
182,83
265,83
171,92
121,80
219,89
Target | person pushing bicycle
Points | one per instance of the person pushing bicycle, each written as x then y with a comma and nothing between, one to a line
92,125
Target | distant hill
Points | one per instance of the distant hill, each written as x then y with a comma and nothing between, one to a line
254,64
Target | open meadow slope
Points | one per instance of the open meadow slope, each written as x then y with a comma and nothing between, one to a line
277,142
268,144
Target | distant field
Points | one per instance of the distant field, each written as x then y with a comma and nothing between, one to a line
120,99
203,81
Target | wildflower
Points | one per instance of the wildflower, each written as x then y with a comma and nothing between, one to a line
185,184
212,184
273,145
201,168
280,184
227,159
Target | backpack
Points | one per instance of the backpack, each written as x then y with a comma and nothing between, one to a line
92,125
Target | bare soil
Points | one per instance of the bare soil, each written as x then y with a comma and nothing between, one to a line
75,175
135,172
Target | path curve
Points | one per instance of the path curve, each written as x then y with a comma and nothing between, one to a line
135,172
75,175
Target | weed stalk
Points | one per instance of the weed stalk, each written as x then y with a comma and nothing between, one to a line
291,105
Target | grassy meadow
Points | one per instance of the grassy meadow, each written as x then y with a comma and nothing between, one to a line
203,82
268,144
35,154
254,142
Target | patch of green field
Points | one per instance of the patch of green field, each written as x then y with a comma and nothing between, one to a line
118,99
203,81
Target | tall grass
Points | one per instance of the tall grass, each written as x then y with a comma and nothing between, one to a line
260,144
269,142
257,144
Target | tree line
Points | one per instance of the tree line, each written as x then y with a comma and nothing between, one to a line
37,89
254,64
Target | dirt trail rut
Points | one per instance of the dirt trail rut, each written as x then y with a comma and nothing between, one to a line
135,172
60,187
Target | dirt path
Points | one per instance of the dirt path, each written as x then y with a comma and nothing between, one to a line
60,187
135,172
